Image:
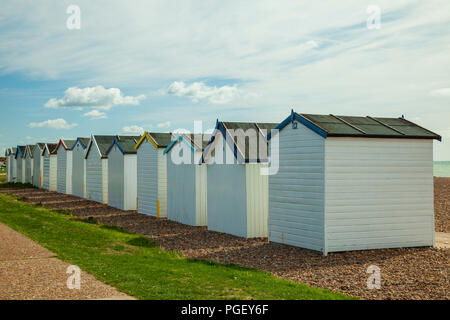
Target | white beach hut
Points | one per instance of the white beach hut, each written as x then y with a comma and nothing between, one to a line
64,166
8,164
29,163
97,168
20,163
38,164
237,190
79,167
13,165
49,169
122,173
152,174
352,183
187,180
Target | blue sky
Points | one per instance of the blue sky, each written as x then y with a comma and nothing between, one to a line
160,65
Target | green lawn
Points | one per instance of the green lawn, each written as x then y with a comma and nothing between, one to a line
134,265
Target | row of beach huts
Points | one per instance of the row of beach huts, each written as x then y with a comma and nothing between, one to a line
322,182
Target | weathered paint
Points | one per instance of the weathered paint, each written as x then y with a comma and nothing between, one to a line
227,205
296,192
94,181
379,193
186,191
147,178
13,168
257,201
53,172
130,181
28,167
116,178
61,156
78,173
69,171
37,166
105,181
162,183
46,170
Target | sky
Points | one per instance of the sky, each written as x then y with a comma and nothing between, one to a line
161,65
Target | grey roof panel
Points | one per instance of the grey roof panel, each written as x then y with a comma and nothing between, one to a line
369,127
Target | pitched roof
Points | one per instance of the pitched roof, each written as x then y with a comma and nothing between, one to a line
20,151
193,140
52,147
102,143
84,143
236,133
126,144
29,150
67,144
367,127
159,140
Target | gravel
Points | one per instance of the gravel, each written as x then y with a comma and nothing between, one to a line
406,273
442,204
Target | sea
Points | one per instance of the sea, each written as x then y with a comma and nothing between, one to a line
441,168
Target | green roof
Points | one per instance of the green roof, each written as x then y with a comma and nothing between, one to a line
250,150
103,143
161,139
351,126
127,143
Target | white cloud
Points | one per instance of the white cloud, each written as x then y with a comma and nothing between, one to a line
199,91
94,97
53,124
444,92
133,129
164,124
95,114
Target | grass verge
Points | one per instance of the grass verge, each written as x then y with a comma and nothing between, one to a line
135,265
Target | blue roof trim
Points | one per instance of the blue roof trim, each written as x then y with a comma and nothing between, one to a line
19,152
311,126
115,142
81,143
231,143
179,138
211,140
294,116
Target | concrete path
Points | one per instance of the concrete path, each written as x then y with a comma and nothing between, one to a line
442,240
29,271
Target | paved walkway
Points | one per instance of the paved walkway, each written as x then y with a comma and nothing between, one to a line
29,271
442,239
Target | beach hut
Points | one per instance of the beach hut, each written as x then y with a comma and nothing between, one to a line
38,164
97,168
237,190
64,166
21,163
122,172
152,174
8,164
187,180
352,183
49,169
13,165
79,167
29,163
